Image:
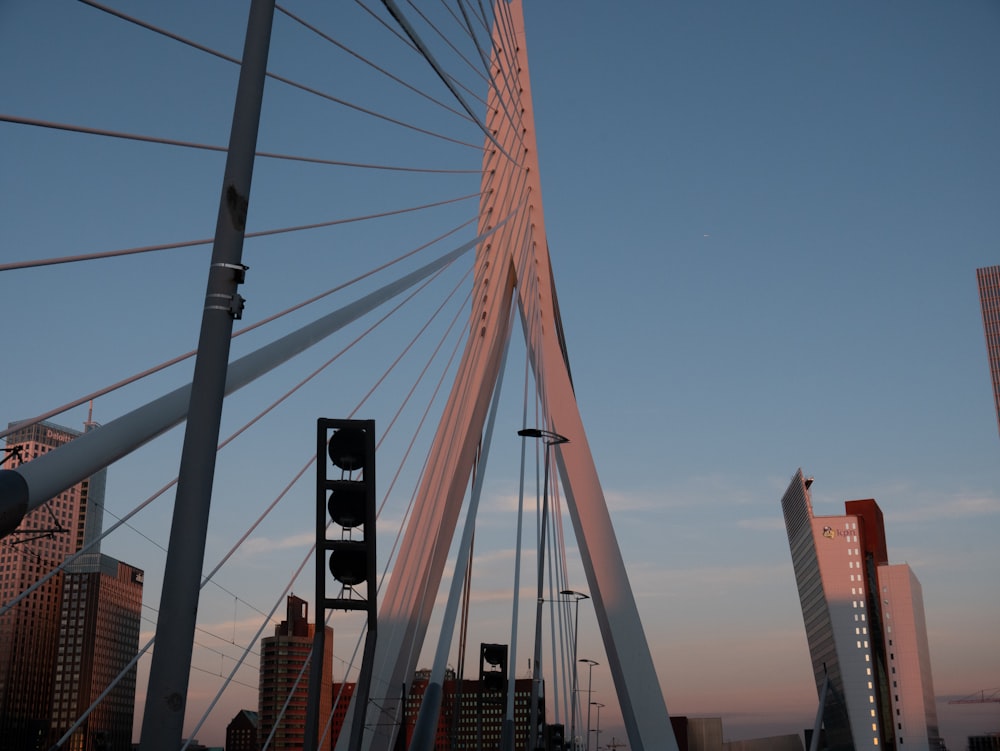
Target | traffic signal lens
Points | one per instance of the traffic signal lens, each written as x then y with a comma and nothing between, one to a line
349,562
348,448
347,503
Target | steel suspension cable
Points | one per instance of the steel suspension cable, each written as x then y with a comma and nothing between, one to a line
86,130
369,63
277,77
248,235
429,57
246,329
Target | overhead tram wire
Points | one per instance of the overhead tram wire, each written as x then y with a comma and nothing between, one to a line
282,79
252,366
246,329
124,520
269,618
224,443
357,407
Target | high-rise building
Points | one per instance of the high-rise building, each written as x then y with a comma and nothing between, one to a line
63,644
98,639
284,679
864,622
29,631
471,715
988,279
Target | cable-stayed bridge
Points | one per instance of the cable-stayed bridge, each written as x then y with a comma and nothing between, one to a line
397,270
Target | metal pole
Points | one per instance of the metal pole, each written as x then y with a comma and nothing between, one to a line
536,672
597,743
163,718
575,699
590,683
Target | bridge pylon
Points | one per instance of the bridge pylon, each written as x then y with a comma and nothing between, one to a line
512,265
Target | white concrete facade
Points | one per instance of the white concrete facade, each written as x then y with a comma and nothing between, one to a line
910,683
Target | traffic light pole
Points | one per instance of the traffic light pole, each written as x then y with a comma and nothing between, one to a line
344,503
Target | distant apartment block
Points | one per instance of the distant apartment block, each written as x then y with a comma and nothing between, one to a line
98,638
284,679
472,713
988,279
864,621
241,732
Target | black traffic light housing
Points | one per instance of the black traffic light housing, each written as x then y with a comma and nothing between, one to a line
555,738
345,511
345,549
493,669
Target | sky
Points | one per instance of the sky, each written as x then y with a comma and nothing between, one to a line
764,221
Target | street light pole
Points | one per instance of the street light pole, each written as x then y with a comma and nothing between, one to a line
590,683
536,672
576,632
597,743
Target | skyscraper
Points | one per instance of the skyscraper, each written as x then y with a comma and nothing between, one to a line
63,644
988,279
98,637
29,631
864,622
284,679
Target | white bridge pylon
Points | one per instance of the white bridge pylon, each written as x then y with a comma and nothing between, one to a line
513,261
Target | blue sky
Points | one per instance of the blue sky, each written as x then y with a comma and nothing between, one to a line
764,222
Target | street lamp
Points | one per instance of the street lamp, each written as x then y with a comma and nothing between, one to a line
590,682
576,631
597,743
551,439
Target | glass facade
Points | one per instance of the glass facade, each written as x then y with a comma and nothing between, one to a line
988,279
842,574
29,631
62,644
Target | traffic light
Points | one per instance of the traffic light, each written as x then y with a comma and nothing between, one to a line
494,677
345,521
555,739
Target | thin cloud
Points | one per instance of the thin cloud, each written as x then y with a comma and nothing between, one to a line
959,507
765,524
263,545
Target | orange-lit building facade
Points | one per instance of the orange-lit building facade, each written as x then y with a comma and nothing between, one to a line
284,679
865,626
988,279
64,643
98,639
29,632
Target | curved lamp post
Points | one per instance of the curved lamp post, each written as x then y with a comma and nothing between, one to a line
590,683
577,596
597,743
551,439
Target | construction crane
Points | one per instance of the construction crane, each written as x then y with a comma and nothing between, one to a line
980,698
